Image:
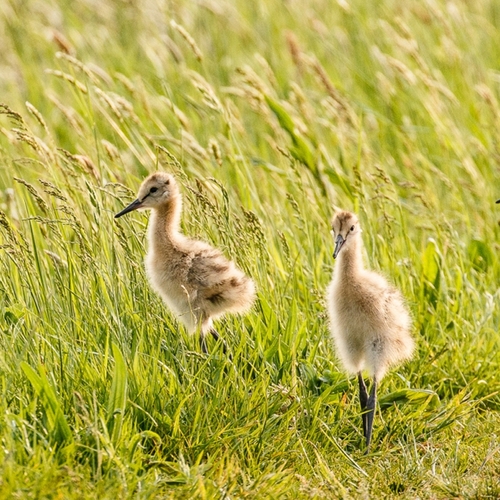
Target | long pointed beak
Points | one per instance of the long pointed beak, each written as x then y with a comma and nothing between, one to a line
498,201
133,206
338,245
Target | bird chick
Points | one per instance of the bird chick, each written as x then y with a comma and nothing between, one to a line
369,321
195,280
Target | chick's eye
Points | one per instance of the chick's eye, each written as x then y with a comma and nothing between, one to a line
352,228
153,190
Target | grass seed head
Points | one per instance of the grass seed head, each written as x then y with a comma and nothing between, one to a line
69,78
215,150
189,39
37,115
34,193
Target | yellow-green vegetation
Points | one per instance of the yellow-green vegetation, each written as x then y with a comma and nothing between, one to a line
270,113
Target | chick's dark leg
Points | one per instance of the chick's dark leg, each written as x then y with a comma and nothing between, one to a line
370,406
203,343
205,329
363,399
217,337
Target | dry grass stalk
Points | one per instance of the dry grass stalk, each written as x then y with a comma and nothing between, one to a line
73,118
189,39
69,78
210,98
295,51
37,115
215,149
15,117
53,191
34,193
62,42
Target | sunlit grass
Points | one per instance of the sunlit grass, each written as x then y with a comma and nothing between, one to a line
270,114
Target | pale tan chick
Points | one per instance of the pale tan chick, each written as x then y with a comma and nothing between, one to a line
195,280
369,321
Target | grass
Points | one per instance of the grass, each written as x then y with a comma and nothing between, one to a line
270,114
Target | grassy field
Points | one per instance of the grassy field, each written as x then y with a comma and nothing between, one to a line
271,114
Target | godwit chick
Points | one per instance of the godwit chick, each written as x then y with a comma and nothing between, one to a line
194,279
368,318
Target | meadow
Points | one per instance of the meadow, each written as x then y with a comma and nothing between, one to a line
270,114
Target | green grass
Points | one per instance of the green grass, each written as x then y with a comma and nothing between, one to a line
270,114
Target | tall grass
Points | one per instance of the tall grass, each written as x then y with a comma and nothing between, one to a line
270,114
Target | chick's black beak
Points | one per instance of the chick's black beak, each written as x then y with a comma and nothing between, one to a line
133,206
339,241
